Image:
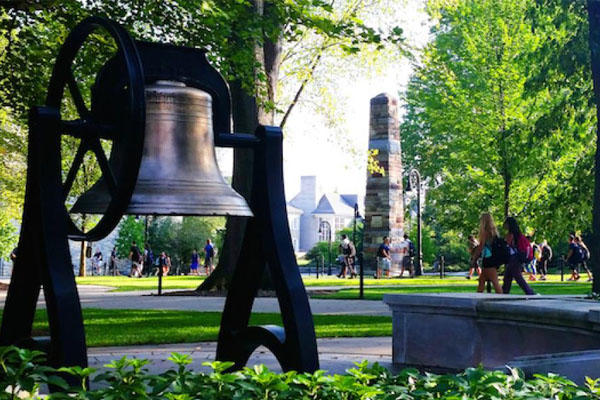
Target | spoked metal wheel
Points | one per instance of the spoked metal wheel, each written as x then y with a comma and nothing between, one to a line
117,114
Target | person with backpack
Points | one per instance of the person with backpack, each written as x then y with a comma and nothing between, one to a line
574,258
209,256
520,252
135,255
544,260
384,259
409,256
349,252
585,256
489,240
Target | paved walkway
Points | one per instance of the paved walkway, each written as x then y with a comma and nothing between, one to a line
335,355
101,297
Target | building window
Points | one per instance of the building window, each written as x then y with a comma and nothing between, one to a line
323,230
340,223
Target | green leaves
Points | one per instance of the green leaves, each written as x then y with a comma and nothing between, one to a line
128,379
498,112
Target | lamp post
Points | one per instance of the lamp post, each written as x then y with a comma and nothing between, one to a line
414,179
328,225
361,294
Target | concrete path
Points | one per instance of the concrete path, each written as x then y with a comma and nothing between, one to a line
101,297
335,355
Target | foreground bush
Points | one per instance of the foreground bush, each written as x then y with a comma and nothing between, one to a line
22,374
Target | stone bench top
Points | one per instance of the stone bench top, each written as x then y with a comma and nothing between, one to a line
549,310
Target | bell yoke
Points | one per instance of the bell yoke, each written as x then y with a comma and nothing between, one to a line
164,108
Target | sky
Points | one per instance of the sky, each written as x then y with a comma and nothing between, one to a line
311,148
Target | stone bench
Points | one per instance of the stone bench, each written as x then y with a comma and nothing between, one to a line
453,331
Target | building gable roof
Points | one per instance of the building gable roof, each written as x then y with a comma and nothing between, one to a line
333,204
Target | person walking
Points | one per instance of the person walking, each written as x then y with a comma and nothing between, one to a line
474,262
520,252
488,236
195,262
384,258
585,256
135,255
408,251
349,252
97,262
531,266
162,263
167,266
574,258
112,263
544,260
148,259
209,255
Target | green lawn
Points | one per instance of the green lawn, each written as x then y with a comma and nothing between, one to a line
137,327
123,283
126,284
558,288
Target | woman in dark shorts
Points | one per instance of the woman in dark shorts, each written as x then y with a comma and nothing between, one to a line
487,234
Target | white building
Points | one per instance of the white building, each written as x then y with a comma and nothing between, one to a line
306,216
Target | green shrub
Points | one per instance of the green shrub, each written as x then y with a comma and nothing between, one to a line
125,379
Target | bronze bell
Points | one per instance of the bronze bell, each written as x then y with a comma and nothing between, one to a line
178,174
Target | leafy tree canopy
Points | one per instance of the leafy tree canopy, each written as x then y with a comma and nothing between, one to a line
498,111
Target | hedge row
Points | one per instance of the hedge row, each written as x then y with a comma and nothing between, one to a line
23,374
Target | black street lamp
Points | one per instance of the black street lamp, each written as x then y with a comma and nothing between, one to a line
414,180
361,294
328,225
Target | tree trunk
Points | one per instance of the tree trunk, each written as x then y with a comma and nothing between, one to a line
594,43
247,114
506,197
245,119
82,259
505,167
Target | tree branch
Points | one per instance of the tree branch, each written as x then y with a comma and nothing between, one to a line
300,89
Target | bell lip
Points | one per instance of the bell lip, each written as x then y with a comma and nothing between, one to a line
242,213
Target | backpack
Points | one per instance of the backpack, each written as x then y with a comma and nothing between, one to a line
136,255
346,250
500,254
537,254
546,252
585,253
524,249
411,249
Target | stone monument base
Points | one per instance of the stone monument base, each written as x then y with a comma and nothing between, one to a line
453,331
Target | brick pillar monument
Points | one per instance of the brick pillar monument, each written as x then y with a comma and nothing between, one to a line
384,213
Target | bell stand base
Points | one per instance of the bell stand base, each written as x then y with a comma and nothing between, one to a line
44,260
43,257
267,242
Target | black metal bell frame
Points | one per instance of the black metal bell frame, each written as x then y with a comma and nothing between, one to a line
117,114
